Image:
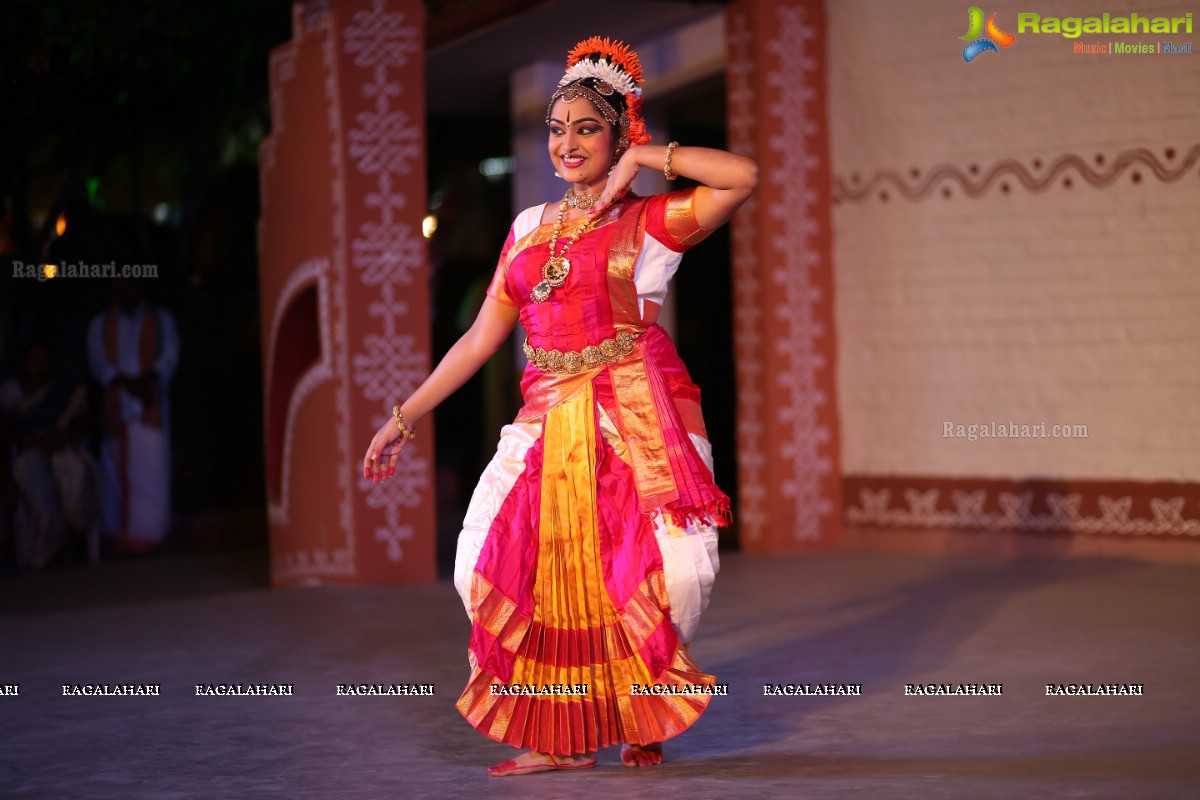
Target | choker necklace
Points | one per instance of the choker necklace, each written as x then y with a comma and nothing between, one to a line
557,267
581,201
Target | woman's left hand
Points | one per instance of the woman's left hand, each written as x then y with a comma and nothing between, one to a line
618,183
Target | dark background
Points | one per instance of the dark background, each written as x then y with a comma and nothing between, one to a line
136,124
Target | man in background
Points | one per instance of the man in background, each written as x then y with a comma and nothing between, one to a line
133,349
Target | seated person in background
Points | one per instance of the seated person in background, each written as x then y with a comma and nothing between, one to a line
44,428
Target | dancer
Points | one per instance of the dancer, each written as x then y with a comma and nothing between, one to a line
589,546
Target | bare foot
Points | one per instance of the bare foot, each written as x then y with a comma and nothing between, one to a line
533,761
641,755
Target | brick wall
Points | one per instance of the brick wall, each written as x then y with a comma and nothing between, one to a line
1015,238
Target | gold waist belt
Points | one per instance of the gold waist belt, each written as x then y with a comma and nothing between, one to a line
573,361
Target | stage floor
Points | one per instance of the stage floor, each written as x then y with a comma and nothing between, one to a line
881,620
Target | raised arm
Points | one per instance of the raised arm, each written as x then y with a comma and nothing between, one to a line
490,330
726,179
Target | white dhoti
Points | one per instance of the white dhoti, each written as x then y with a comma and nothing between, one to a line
136,469
135,455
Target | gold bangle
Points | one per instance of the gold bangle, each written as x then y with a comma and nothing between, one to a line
405,431
667,171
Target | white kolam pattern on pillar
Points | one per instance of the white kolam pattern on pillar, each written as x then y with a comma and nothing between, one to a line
384,252
786,289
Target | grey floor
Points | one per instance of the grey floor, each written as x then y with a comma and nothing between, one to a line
879,619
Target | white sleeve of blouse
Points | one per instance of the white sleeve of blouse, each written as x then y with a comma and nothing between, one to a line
527,220
654,269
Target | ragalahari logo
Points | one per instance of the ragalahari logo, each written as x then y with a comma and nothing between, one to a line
979,44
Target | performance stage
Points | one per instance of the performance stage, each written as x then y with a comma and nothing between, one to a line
878,620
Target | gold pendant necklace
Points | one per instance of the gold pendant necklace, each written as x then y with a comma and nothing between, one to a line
557,267
581,201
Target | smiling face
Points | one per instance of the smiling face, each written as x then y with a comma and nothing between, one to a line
581,143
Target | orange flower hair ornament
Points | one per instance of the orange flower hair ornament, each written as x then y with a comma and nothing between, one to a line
601,58
607,73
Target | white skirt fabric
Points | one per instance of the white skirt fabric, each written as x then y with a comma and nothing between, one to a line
690,561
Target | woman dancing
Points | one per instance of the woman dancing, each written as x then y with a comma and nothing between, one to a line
589,546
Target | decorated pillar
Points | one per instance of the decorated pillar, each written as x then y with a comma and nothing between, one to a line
788,467
344,293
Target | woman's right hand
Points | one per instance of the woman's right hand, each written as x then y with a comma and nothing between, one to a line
490,330
379,463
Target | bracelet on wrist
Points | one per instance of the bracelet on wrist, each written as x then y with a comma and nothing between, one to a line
405,430
669,173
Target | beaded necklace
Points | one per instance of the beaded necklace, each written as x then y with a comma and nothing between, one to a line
557,267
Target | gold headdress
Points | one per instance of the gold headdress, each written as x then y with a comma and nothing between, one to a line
607,73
